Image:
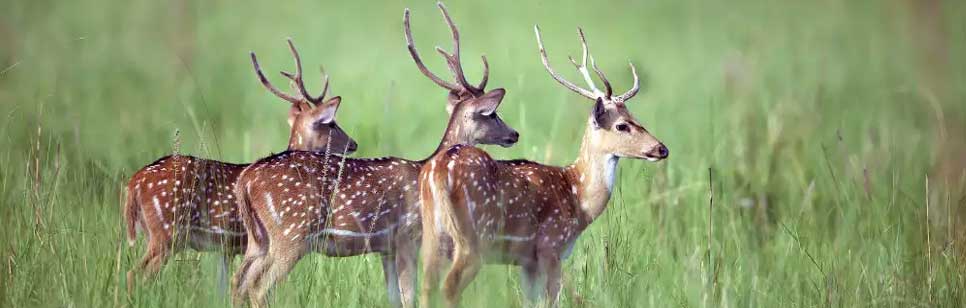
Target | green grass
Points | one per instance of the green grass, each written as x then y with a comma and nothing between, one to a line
819,120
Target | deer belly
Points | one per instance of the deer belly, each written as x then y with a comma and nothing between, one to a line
514,251
507,237
214,238
337,242
216,229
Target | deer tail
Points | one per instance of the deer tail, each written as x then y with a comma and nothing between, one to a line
257,236
132,214
453,222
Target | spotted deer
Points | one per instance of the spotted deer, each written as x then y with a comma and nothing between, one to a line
188,202
296,203
520,212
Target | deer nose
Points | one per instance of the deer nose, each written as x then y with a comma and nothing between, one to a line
662,151
510,139
657,153
353,146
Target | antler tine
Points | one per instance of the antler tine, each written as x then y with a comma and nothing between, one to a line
268,85
300,81
486,74
557,77
300,88
325,80
454,66
609,90
633,91
582,67
452,29
419,62
453,59
298,60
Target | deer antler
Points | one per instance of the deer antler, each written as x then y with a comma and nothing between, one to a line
268,85
569,85
633,91
593,93
582,66
452,59
296,80
300,83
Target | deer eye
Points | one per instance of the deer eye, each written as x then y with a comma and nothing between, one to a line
623,127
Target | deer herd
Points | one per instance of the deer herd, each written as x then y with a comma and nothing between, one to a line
457,204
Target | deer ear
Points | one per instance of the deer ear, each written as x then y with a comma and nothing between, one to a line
486,104
326,112
599,113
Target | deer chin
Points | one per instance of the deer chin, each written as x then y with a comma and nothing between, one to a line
651,156
351,148
506,143
641,156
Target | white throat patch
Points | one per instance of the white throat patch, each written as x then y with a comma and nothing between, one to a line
610,168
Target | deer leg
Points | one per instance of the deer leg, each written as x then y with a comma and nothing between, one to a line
406,269
431,267
277,266
466,251
550,266
391,274
157,256
239,283
466,264
237,279
154,265
254,279
532,282
253,267
149,252
155,247
141,266
225,259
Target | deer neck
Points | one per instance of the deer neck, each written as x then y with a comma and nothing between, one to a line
296,142
594,173
454,134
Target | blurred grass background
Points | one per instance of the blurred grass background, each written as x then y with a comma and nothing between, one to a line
833,131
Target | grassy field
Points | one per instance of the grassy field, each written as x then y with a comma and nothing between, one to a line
832,133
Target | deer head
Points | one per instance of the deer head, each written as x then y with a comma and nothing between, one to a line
312,119
612,129
473,118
